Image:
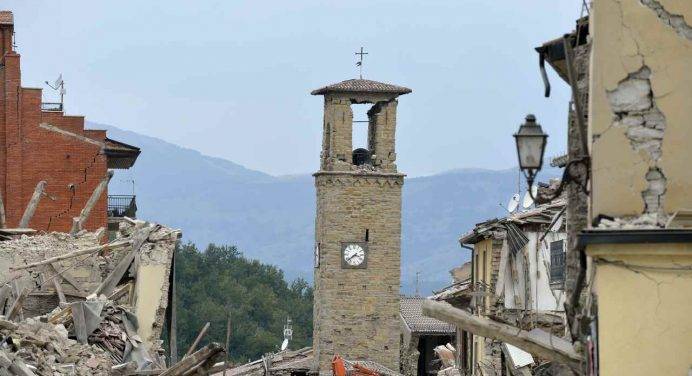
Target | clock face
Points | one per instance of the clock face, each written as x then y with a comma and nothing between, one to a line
354,254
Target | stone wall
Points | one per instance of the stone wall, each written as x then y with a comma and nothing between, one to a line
356,312
576,213
337,139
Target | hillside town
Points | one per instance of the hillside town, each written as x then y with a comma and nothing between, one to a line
589,273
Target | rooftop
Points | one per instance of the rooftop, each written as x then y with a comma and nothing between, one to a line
361,86
120,155
412,314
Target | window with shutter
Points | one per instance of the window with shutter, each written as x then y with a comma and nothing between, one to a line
557,264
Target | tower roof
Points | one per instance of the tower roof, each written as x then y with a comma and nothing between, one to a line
361,86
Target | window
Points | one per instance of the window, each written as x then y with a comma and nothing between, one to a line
557,264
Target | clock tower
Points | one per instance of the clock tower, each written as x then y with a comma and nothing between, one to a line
358,228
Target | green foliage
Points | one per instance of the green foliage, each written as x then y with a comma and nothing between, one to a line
258,296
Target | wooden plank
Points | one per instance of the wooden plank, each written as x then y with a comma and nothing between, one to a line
57,280
67,277
120,291
138,238
197,340
78,222
194,359
33,203
536,342
80,252
17,305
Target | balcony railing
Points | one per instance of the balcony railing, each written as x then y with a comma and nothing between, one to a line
122,206
51,106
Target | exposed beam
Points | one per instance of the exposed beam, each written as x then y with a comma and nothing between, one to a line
537,342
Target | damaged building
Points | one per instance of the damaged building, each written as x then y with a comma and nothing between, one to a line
517,278
74,305
49,159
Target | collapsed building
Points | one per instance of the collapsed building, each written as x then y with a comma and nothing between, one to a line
67,299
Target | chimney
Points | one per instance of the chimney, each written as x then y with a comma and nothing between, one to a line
6,32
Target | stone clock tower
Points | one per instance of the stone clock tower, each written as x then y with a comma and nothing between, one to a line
358,229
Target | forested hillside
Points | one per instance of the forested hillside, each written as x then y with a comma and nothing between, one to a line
258,296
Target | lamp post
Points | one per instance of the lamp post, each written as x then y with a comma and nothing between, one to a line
530,141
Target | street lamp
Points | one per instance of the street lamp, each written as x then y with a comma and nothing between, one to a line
531,142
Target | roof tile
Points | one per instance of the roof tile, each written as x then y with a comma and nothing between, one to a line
361,86
412,313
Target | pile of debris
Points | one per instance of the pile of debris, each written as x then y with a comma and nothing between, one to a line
35,347
72,305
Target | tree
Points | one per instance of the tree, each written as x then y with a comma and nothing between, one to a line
258,296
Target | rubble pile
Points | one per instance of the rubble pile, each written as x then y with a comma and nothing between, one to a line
35,347
71,304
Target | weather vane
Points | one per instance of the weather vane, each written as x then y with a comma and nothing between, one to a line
359,63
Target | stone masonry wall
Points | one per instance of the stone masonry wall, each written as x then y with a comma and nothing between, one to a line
337,141
576,213
356,311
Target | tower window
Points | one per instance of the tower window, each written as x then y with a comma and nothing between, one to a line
360,125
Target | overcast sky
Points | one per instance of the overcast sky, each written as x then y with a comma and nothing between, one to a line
232,78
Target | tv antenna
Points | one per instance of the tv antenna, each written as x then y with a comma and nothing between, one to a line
417,283
288,333
359,63
59,85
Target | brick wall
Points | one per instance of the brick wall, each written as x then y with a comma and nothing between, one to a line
29,153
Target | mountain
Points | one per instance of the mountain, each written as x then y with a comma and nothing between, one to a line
272,218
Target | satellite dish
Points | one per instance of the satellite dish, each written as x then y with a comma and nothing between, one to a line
284,344
528,201
513,203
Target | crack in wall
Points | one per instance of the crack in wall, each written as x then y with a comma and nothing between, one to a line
674,21
635,110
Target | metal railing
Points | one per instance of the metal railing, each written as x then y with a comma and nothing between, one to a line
122,206
51,106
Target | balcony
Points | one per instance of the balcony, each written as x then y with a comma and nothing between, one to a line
122,206
49,106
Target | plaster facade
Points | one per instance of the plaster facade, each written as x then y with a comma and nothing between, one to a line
639,127
644,327
640,105
356,310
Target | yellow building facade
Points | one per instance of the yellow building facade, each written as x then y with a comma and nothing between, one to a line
640,128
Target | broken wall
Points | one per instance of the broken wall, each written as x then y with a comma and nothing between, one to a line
640,107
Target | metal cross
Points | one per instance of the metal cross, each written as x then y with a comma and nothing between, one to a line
359,63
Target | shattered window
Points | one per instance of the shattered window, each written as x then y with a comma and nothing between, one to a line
557,263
